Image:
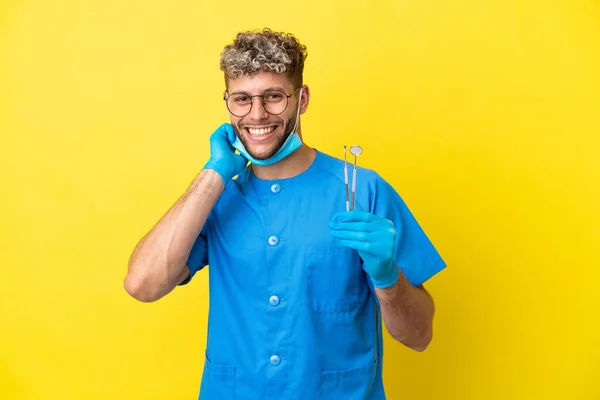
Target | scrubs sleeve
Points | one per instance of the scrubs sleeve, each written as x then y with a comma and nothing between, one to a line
198,257
414,253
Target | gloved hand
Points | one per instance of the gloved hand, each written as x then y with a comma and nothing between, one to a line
374,237
223,159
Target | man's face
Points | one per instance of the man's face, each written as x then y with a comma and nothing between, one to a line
261,133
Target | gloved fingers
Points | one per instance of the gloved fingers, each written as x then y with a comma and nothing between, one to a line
366,247
228,128
354,216
225,132
358,236
353,226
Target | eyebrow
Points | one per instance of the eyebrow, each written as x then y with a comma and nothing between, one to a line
275,88
266,90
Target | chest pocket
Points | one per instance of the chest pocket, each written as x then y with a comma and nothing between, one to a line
333,275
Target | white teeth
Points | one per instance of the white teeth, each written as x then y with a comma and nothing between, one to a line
261,131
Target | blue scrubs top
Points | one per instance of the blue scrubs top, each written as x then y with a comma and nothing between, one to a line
292,314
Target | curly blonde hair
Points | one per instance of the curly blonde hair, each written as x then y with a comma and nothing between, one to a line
266,50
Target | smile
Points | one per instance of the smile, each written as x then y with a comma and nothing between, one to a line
260,132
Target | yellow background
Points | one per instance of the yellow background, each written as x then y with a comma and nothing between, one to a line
485,115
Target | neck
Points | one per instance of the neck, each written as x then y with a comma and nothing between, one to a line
294,164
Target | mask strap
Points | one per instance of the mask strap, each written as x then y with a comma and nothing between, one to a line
298,112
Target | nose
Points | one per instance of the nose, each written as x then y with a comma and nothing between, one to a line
258,111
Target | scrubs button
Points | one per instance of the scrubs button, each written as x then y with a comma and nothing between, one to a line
273,240
275,188
274,300
275,360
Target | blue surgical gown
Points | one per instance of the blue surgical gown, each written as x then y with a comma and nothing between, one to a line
292,314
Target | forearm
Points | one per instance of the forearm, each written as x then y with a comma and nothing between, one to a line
408,313
158,262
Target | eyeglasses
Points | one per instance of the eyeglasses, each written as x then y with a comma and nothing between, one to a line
275,102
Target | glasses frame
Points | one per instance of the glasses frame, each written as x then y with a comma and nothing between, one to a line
262,96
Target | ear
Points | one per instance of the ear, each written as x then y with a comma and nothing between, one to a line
305,99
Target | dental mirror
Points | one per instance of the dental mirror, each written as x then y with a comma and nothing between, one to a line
356,150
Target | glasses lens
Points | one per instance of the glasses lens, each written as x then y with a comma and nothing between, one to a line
239,104
275,102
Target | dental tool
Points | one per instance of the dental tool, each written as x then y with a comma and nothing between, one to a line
346,180
356,151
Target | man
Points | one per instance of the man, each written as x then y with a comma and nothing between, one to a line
298,284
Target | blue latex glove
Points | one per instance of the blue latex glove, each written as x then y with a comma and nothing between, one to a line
374,237
223,159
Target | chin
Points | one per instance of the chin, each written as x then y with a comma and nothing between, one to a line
261,155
